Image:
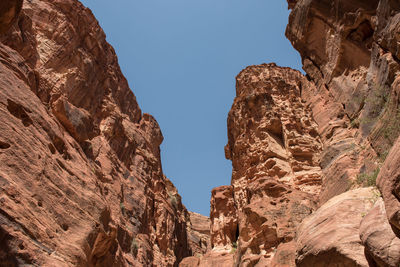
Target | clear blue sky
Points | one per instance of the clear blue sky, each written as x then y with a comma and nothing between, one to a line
181,58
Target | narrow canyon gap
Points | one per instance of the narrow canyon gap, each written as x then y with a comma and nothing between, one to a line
316,163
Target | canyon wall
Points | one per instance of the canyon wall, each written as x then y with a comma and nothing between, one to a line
309,150
80,171
315,157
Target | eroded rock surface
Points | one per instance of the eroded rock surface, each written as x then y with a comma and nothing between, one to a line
349,52
330,236
298,141
381,243
274,147
199,234
224,222
388,183
345,53
80,171
9,12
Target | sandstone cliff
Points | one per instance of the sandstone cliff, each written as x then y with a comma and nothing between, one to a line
80,171
303,147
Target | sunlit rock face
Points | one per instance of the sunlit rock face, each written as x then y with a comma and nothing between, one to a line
274,147
80,171
350,53
330,236
299,143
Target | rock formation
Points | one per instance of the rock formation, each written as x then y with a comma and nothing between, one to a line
80,170
303,146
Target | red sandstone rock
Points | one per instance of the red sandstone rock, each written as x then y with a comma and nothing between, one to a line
217,258
388,183
190,262
224,225
284,256
80,171
274,148
330,236
346,54
381,243
199,234
289,136
9,11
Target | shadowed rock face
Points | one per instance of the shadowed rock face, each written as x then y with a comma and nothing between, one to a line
199,233
9,11
80,171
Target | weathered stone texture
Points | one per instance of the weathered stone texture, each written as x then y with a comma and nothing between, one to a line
80,171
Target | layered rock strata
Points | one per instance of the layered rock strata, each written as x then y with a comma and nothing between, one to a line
350,52
80,171
198,229
299,143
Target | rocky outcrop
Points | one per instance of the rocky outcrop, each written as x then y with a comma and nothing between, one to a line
348,51
80,170
199,234
301,142
344,48
382,246
330,236
224,224
274,147
271,132
388,183
212,258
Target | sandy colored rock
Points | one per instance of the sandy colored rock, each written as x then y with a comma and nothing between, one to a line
271,218
388,183
274,147
81,182
381,243
284,256
224,225
190,262
348,51
217,258
330,236
80,170
199,233
271,132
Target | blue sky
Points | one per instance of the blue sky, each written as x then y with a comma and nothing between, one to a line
181,58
